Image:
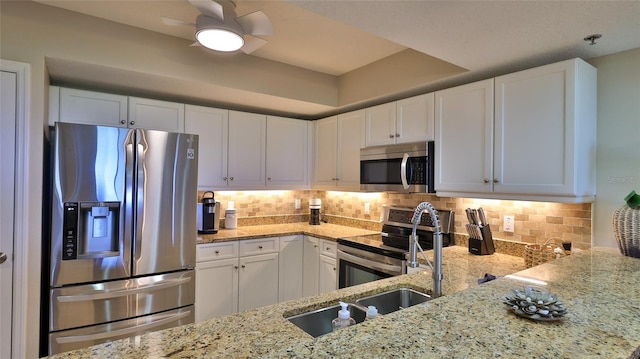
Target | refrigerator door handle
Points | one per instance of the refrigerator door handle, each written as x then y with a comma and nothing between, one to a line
125,331
129,202
123,292
141,143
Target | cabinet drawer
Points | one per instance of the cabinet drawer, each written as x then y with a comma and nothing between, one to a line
259,246
213,251
328,248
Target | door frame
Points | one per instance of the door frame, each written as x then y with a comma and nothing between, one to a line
21,229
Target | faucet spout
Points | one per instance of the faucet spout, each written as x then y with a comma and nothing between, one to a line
436,267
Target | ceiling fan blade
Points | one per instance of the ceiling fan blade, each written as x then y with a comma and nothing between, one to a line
209,8
256,23
174,22
252,43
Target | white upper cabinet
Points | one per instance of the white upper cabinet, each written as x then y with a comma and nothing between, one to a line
246,150
381,125
404,121
288,153
210,124
415,118
104,109
337,144
156,115
545,132
464,138
539,146
91,108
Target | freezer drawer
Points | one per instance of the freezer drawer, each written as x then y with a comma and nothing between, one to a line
83,337
91,304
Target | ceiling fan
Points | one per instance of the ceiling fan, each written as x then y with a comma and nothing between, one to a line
220,28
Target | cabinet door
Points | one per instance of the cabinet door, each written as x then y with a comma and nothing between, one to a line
325,152
290,267
351,130
381,125
210,124
287,153
414,119
310,270
92,108
464,138
246,156
156,115
328,275
535,131
258,281
216,288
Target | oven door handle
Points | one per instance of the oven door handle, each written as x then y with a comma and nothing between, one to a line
386,268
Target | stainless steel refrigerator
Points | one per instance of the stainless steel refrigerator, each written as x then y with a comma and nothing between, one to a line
123,233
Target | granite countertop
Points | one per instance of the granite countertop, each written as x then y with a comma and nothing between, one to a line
324,230
599,288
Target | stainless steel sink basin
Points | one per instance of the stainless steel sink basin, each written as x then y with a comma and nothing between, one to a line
393,300
318,322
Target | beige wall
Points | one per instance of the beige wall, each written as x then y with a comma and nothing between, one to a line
618,154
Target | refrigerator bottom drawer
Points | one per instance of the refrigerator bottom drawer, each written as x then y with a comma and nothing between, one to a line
93,304
67,340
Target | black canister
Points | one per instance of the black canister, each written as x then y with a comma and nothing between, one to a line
314,211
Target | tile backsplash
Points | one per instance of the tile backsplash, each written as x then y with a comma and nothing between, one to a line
535,222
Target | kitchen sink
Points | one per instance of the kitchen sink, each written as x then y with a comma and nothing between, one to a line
318,322
393,300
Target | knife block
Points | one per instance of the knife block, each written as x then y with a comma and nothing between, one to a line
484,246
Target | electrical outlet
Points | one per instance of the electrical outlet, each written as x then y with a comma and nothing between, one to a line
508,224
298,205
367,208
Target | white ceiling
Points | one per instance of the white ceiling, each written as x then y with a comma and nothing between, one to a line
336,37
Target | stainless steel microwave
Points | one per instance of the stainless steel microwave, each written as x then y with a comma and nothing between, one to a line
401,168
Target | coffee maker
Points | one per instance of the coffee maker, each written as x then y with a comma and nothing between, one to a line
208,214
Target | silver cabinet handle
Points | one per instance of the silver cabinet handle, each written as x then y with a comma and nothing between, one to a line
397,135
486,180
495,180
268,178
244,266
235,267
224,178
259,247
122,122
231,178
391,135
132,123
3,257
217,251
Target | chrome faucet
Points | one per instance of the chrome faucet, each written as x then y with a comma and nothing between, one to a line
436,268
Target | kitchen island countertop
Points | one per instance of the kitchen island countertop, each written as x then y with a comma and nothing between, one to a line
599,288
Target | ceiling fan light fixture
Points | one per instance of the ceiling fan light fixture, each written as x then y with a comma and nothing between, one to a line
220,39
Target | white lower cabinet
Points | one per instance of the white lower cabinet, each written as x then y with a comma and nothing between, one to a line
310,267
327,270
319,269
258,280
290,269
216,280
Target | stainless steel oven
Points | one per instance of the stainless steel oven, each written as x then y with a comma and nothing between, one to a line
363,259
360,263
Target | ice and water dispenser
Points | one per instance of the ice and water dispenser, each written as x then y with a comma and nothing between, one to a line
90,230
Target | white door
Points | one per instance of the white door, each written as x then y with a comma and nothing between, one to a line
258,281
247,146
381,125
325,152
328,275
216,288
156,115
8,88
287,153
290,268
350,141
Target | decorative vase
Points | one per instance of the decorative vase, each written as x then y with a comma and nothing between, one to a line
626,228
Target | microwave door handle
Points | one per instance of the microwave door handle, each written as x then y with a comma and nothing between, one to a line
403,170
